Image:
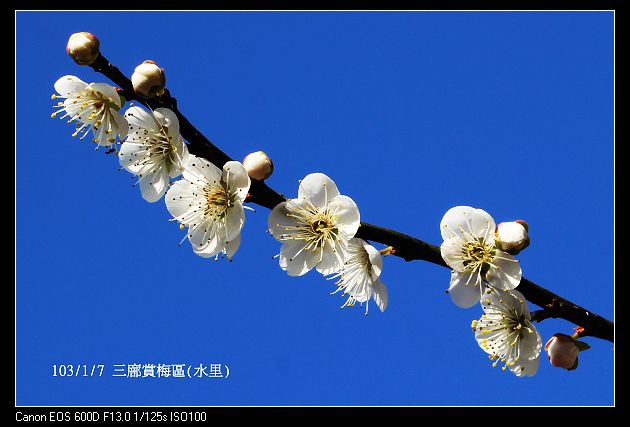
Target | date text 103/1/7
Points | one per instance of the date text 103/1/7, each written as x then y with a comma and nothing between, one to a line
78,370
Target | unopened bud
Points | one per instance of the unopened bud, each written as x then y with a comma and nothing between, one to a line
563,351
512,237
258,165
148,79
83,48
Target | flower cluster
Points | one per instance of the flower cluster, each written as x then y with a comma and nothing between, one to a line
317,230
206,200
482,271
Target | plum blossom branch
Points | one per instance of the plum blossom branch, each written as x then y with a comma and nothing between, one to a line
405,247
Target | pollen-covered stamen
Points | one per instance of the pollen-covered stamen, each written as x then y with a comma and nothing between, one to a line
218,200
90,109
315,226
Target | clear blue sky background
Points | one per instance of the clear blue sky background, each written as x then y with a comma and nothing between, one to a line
410,114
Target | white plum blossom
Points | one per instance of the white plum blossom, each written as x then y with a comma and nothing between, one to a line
92,107
154,150
210,203
470,251
359,277
506,333
315,227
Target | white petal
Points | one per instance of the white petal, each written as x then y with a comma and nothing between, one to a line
294,260
236,178
138,118
122,126
205,231
200,170
232,246
376,259
279,221
475,222
331,261
210,249
530,343
505,273
178,158
68,85
153,185
526,367
179,198
168,119
451,250
318,189
462,294
130,154
346,214
234,220
107,91
379,292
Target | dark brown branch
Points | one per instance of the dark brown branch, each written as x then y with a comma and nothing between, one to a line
407,247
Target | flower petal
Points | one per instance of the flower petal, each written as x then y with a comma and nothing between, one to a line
153,185
236,178
531,343
232,246
122,127
68,85
207,230
140,119
210,249
331,260
318,189
376,259
462,294
234,220
452,253
178,158
107,92
294,260
130,154
168,119
466,221
281,221
525,367
379,292
346,214
200,171
505,272
179,198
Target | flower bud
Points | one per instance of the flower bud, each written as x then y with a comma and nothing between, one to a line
563,351
512,237
258,165
83,48
148,79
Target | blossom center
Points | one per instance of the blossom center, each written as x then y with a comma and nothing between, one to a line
218,200
322,228
477,254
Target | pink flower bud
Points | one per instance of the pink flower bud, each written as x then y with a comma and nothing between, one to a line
83,48
258,165
148,79
512,237
563,351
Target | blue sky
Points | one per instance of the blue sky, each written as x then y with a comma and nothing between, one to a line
409,113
